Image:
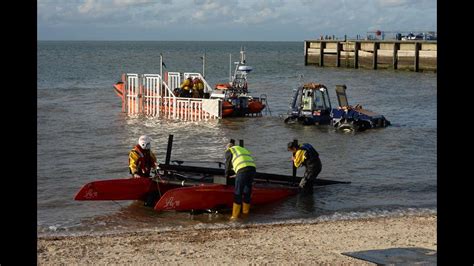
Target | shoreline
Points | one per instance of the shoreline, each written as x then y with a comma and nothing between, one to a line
321,242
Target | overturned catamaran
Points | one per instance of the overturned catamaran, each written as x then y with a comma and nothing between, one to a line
189,188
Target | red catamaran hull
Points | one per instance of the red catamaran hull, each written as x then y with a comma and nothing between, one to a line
175,196
121,189
215,196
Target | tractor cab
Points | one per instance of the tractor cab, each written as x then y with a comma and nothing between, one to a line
310,105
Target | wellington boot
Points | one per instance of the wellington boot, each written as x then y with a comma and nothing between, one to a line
235,211
245,208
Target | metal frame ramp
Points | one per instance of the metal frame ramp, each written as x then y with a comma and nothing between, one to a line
150,95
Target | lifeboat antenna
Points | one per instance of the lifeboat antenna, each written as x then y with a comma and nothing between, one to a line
230,67
242,55
203,65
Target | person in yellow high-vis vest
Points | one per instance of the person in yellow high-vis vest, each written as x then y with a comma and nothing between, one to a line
239,161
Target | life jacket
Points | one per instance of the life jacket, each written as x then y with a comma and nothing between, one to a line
310,151
186,85
241,158
200,85
141,162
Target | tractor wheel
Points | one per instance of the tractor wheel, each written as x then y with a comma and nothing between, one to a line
345,125
291,120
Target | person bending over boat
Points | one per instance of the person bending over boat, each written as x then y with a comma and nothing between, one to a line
239,161
306,155
141,159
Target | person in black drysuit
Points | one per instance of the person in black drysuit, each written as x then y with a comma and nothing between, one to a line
307,156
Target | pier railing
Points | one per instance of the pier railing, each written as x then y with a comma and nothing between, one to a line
149,95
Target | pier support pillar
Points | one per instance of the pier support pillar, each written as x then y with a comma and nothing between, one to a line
417,57
374,59
306,45
338,54
396,47
322,45
356,54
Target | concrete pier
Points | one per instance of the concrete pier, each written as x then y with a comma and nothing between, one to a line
415,55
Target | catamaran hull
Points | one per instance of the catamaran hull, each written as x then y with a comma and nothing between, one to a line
122,189
216,196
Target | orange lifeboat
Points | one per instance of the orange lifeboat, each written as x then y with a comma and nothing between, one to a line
227,109
255,107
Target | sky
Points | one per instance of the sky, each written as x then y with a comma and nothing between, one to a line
228,20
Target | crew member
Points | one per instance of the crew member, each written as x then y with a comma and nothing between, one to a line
239,161
186,87
141,160
199,87
195,93
307,156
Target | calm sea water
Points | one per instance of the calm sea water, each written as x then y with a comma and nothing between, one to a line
83,136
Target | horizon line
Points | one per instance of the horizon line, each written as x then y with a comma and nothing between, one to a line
86,40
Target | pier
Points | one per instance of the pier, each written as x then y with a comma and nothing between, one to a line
413,55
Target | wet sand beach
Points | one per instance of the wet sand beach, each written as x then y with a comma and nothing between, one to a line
321,242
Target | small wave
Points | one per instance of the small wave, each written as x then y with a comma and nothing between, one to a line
59,231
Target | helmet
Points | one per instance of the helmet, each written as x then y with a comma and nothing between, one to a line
144,142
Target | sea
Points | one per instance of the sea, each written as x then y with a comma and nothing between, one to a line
83,136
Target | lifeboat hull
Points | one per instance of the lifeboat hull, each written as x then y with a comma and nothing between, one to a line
216,196
255,107
227,109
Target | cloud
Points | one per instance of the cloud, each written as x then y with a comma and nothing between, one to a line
126,3
205,19
91,6
392,3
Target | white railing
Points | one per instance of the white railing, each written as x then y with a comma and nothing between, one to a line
149,95
152,94
132,92
174,80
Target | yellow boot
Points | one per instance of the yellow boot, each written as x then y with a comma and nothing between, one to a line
246,208
235,211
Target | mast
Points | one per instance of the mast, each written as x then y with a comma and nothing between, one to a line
161,68
242,56
230,67
204,65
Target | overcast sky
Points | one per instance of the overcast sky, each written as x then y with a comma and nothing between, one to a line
228,20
